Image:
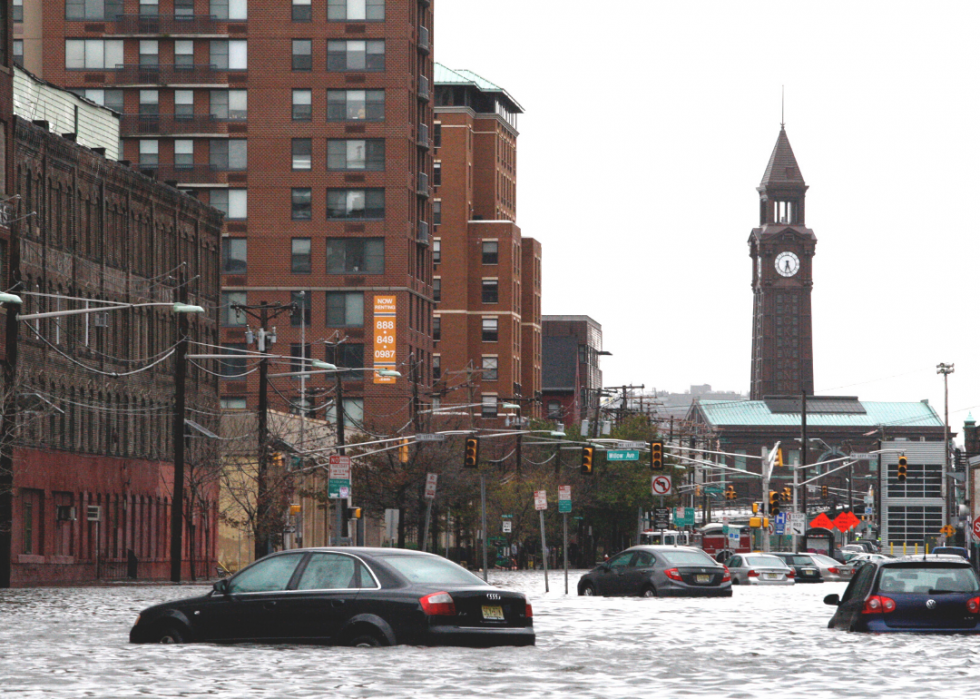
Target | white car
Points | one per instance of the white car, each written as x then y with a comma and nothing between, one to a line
759,569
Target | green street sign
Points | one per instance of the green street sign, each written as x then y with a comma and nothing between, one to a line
564,505
338,488
683,516
622,455
714,489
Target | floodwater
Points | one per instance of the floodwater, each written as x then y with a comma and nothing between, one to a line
762,642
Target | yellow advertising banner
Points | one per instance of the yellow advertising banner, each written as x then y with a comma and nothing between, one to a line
385,317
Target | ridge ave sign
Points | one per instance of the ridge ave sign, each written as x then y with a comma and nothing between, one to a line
660,485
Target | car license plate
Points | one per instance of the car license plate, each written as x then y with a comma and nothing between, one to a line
770,576
493,613
809,571
703,578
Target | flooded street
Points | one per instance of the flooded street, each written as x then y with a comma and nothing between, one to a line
760,642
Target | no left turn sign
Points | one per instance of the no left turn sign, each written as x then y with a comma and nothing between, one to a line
660,485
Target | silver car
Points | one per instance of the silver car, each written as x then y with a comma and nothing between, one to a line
759,569
831,570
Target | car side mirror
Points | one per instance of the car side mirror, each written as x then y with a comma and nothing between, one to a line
221,587
833,600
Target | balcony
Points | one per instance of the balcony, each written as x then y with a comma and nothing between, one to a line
424,39
423,188
198,173
423,137
423,238
165,24
423,88
169,75
170,124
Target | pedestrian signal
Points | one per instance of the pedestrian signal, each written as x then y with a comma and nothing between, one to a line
773,502
787,494
657,456
903,468
587,454
471,457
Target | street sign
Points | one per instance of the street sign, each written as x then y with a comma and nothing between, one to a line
540,500
430,437
683,516
725,529
733,538
661,517
430,485
633,445
564,498
797,523
507,526
714,489
338,483
780,525
660,485
869,510
861,456
622,455
976,527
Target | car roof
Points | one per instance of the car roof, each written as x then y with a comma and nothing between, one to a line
665,547
927,560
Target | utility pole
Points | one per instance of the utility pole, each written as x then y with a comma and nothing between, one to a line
804,448
8,421
339,398
946,370
180,397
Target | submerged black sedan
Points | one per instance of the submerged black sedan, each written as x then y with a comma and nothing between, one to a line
346,596
658,571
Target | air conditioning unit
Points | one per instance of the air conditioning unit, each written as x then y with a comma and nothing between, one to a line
101,319
66,513
93,513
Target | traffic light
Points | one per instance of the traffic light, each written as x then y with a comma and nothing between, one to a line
657,456
787,494
278,460
353,513
903,468
587,454
823,491
773,503
755,508
471,457
403,452
697,490
779,457
730,493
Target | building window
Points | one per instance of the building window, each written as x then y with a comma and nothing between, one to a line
437,212
81,10
355,105
234,366
232,202
356,10
184,9
229,104
149,153
490,291
183,104
436,367
356,55
229,317
19,52
234,255
302,203
437,289
353,413
229,154
301,256
436,174
93,54
436,327
436,251
184,153
233,403
230,9
489,252
302,10
349,355
302,54
183,54
489,368
113,99
302,153
229,54
345,308
489,329
489,407
303,303
302,105
149,8
149,103
554,410
355,255
355,203
298,353
437,135
149,53
19,9
356,154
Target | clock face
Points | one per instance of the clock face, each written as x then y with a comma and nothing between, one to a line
787,264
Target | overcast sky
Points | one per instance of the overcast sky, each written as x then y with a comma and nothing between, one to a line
648,126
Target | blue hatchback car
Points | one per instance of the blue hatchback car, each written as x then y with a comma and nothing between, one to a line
934,594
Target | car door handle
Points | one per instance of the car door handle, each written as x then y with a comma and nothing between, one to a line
268,605
336,602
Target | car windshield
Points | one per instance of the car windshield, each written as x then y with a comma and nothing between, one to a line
798,560
688,558
426,569
927,580
770,561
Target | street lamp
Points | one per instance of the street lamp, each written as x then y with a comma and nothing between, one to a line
10,298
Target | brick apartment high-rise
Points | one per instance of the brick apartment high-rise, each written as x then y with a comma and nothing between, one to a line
308,124
487,276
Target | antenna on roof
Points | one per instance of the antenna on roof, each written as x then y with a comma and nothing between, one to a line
782,110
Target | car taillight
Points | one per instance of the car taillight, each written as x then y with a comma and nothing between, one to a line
791,574
878,605
438,604
727,576
527,610
752,574
673,574
973,605
833,571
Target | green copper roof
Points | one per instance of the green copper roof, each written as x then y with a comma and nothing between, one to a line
449,76
757,413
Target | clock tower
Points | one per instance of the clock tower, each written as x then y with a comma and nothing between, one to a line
782,250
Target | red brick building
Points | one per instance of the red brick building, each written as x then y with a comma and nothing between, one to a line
487,277
572,378
309,126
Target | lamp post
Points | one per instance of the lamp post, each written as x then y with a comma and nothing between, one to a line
945,370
